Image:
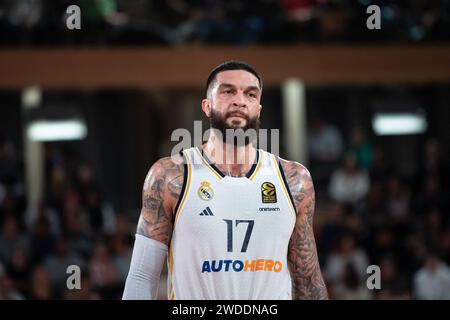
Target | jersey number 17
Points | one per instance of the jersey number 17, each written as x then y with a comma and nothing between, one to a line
248,233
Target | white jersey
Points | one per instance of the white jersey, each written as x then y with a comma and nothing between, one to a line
231,234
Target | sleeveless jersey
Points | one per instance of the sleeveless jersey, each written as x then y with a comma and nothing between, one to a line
231,234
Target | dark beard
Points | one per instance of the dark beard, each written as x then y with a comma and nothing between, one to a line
220,123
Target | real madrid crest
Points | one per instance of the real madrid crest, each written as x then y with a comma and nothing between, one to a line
205,192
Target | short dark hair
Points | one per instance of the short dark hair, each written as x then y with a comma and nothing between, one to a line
231,65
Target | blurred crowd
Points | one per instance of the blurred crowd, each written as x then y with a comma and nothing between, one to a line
235,22
369,214
366,214
72,225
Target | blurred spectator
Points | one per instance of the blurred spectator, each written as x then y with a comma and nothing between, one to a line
361,148
325,147
434,226
58,186
375,204
347,253
20,19
10,237
301,16
74,216
430,195
382,244
7,290
9,170
121,244
103,274
139,24
123,228
380,168
75,223
413,251
324,142
355,225
101,19
397,200
2,195
332,229
19,267
444,246
42,212
81,243
85,181
394,285
121,257
12,198
333,21
101,214
351,288
349,184
86,292
40,284
432,281
56,264
213,26
434,165
42,240
11,207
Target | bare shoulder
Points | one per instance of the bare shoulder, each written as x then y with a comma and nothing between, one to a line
161,191
166,176
294,168
299,181
168,168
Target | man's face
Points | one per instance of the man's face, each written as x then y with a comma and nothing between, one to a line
234,101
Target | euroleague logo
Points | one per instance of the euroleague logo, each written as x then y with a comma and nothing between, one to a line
268,193
205,192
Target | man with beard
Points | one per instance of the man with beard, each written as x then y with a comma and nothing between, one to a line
234,221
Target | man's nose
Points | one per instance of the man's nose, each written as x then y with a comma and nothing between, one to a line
239,100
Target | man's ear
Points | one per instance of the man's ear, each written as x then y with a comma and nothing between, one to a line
259,111
206,107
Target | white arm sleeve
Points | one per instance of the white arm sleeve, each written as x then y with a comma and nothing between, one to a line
146,265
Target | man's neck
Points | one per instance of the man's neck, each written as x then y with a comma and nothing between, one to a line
231,159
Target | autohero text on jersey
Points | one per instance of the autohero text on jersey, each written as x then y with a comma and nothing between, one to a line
238,265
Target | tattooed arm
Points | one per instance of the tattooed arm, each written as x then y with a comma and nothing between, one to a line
302,256
162,188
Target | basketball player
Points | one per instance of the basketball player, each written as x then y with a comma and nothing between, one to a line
229,230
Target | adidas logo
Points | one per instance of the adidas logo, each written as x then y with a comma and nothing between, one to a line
206,212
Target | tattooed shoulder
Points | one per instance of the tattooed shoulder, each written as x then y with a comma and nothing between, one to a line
300,184
161,190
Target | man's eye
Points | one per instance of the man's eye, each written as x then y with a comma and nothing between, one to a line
252,95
